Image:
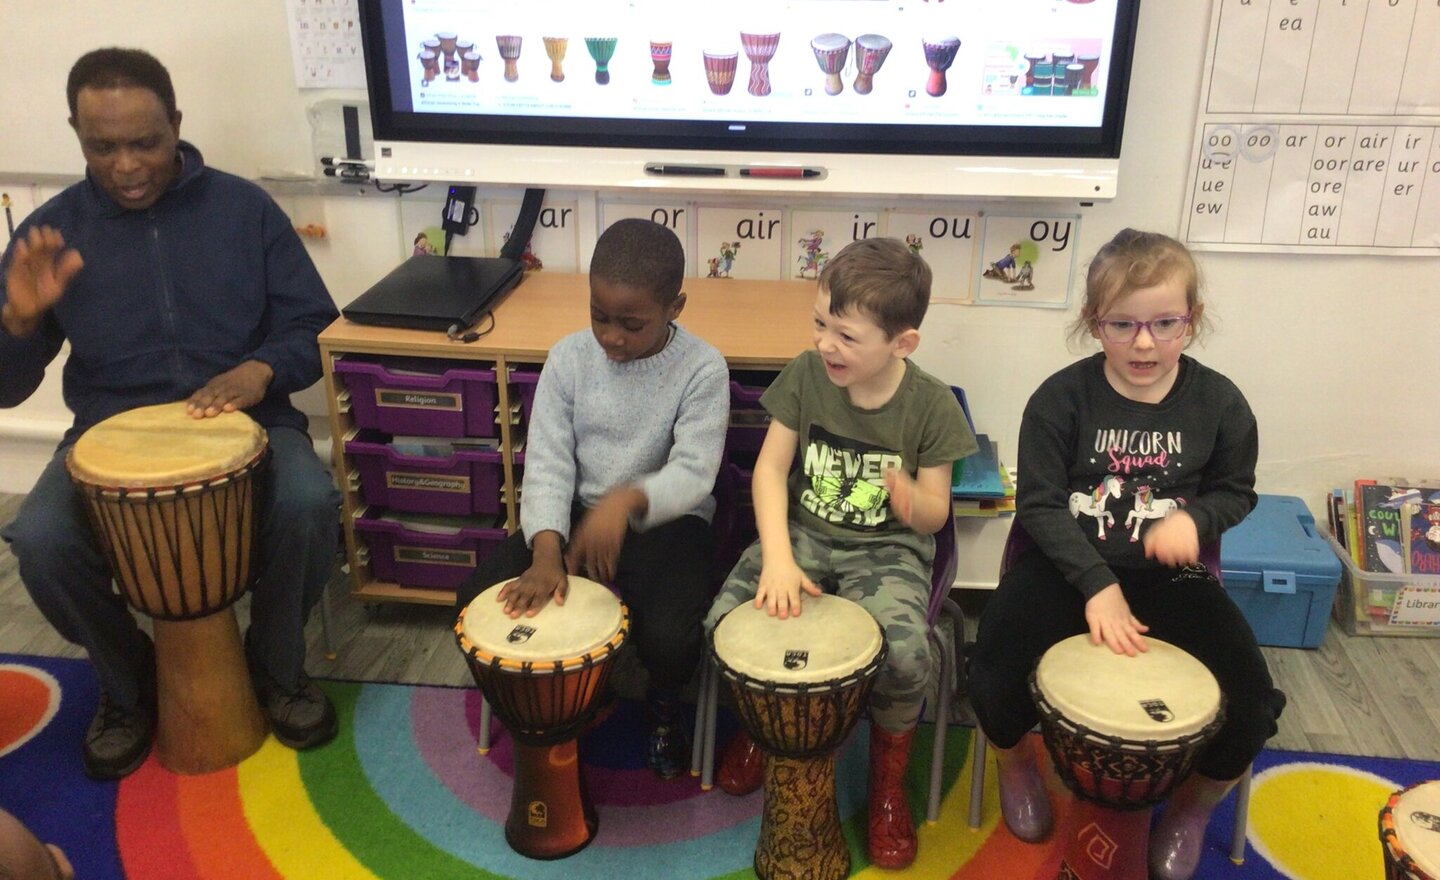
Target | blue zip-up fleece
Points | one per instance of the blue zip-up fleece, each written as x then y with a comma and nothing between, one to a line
211,275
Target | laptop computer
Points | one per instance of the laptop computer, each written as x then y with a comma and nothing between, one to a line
436,293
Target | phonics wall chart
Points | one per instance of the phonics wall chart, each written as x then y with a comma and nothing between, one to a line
1318,129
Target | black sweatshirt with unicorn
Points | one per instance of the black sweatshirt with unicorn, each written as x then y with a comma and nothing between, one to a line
1095,470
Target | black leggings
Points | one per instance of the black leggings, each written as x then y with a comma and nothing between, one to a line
1034,607
664,576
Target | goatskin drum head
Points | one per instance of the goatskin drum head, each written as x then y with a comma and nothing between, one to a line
590,618
1161,694
831,638
1416,817
163,445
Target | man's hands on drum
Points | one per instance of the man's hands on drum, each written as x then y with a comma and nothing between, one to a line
41,267
780,589
1173,541
233,390
544,579
1111,622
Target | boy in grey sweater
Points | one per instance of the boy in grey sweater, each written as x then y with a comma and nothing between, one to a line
621,455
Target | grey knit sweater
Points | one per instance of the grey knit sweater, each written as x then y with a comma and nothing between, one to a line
657,423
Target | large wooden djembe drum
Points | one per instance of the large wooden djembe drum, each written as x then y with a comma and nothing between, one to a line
173,502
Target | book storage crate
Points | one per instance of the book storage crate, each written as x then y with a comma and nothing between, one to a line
1372,603
748,420
442,401
462,483
425,556
523,380
1279,571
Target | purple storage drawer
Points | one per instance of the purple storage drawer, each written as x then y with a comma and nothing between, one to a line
457,403
522,382
462,483
424,559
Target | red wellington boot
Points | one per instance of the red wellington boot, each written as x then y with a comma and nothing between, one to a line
742,766
892,830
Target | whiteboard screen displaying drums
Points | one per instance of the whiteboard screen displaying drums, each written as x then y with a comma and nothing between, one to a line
173,500
543,677
800,684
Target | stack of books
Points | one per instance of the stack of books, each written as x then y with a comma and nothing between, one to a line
980,485
1389,526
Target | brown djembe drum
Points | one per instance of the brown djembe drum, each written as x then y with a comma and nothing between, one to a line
800,685
173,502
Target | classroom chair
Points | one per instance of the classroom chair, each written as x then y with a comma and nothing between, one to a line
941,579
1016,543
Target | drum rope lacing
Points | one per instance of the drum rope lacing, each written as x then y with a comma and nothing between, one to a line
176,518
1145,771
802,719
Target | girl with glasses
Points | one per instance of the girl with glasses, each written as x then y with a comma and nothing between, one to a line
1129,462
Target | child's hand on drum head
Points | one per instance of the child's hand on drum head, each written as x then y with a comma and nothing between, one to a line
1111,622
1173,541
544,579
780,588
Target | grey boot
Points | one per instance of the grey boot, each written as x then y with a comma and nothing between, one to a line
1023,801
1178,838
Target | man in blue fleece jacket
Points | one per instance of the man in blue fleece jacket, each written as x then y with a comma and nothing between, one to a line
171,281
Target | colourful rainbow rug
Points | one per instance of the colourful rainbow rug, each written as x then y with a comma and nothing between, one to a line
401,793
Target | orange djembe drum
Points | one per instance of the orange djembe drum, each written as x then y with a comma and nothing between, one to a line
543,677
173,502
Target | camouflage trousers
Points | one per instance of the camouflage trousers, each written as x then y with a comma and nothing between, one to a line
889,577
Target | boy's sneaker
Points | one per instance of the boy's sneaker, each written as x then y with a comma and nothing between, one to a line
668,753
301,719
118,738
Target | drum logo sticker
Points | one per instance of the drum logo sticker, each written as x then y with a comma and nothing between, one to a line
537,814
521,633
796,660
1428,821
1157,710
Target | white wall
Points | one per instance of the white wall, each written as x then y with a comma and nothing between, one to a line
1337,354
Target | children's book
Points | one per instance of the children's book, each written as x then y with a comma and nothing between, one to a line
1378,506
1420,530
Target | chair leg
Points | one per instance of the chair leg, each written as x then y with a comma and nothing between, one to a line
697,743
330,652
712,705
942,719
1242,817
483,746
977,778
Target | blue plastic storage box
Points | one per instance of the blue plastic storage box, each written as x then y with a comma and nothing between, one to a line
1281,573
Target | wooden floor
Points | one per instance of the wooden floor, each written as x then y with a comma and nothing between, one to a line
1354,695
